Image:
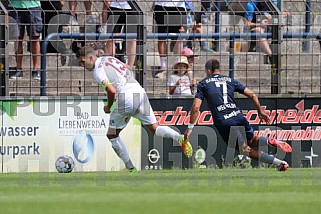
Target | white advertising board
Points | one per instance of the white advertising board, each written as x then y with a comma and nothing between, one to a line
34,133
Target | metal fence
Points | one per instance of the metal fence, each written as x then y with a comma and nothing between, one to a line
295,68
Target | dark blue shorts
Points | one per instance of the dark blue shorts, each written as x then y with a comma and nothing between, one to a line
236,128
30,18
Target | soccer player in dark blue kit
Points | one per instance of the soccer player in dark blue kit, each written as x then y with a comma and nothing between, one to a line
229,120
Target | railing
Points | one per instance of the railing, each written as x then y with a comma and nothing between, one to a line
238,63
231,36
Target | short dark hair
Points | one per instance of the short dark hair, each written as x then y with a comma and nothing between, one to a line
84,51
212,65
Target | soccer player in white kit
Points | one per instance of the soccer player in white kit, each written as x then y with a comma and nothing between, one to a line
131,101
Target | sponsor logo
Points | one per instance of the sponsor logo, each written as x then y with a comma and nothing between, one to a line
180,117
69,126
310,157
296,116
278,116
200,156
18,150
153,156
83,147
290,116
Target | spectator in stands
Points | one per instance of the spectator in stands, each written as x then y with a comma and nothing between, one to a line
27,15
198,28
115,16
179,82
51,9
189,54
170,17
73,6
259,9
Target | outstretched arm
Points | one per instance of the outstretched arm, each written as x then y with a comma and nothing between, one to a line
250,94
193,117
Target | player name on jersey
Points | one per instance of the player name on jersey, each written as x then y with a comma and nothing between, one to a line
218,79
226,106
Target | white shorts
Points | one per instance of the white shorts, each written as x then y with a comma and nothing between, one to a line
135,105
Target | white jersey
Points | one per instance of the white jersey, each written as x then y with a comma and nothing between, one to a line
184,88
170,3
109,70
120,4
132,99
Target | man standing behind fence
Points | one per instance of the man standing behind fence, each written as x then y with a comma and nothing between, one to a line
115,16
27,15
170,17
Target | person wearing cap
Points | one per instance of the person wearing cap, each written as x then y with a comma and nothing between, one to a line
189,54
179,82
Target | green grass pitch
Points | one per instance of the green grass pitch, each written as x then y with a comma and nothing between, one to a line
168,191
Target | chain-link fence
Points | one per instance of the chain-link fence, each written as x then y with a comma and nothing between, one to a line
255,61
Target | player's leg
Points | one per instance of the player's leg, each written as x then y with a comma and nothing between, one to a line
248,146
117,123
262,141
252,148
146,115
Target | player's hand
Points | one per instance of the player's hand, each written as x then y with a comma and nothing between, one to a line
187,133
178,82
264,117
107,109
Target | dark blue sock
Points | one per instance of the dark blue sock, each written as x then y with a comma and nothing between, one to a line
266,158
263,141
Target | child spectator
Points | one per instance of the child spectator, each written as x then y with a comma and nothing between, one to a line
179,82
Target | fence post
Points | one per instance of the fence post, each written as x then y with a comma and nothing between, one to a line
276,42
4,66
307,43
231,61
217,24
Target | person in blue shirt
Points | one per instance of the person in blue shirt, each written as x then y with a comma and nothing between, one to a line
257,14
252,11
218,91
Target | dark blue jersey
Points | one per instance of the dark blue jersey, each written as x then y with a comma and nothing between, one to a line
219,91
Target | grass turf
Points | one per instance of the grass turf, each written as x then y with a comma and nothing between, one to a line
168,191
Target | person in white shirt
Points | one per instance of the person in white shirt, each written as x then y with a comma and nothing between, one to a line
115,16
131,101
170,17
179,82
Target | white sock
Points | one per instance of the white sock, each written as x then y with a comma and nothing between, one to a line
165,131
120,149
163,61
277,161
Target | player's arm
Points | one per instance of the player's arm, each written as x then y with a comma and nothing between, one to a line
195,111
250,94
111,94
